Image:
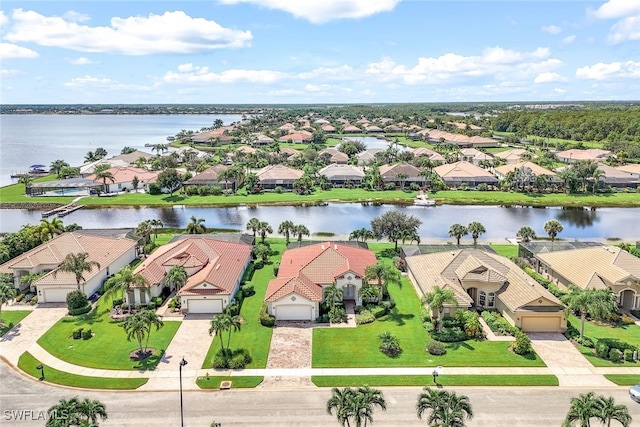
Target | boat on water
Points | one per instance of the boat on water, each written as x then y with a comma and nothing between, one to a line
171,138
423,200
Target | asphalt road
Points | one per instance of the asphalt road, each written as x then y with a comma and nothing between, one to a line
527,407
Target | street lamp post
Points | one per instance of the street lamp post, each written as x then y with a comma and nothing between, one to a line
182,363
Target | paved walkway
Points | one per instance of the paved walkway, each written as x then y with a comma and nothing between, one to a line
565,361
490,335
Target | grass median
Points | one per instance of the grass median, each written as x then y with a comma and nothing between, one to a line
427,380
623,379
213,381
29,364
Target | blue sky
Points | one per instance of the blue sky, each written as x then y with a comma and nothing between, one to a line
318,51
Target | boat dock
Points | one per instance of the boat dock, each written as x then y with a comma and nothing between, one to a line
62,210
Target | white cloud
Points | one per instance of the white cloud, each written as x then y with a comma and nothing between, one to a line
73,16
83,60
617,9
551,29
188,73
104,83
626,29
4,19
549,78
171,32
12,51
569,39
320,11
559,90
7,73
613,70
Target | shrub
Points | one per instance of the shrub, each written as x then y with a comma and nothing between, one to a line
232,359
571,332
470,323
337,315
76,334
151,305
627,320
483,186
428,326
399,263
154,189
233,308
436,348
414,186
389,344
365,317
390,186
76,299
86,334
602,349
248,290
276,268
81,310
377,310
322,319
278,190
117,302
615,355
586,341
265,318
450,334
33,301
28,297
522,344
425,316
388,304
628,355
19,297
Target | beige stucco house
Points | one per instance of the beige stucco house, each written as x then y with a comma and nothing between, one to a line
484,280
304,272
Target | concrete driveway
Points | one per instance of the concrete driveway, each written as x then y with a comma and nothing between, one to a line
290,348
565,361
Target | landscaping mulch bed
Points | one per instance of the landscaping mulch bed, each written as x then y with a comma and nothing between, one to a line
137,357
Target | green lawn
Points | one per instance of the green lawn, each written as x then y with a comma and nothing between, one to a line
557,199
336,348
628,333
427,380
236,382
108,348
508,251
11,318
623,379
28,364
253,336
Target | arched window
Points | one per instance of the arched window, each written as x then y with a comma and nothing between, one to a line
491,301
482,298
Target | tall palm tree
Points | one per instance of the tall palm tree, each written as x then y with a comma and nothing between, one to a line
150,318
361,233
383,274
332,294
286,228
155,223
91,410
176,277
366,399
219,323
457,231
234,324
7,291
124,280
553,228
589,301
608,411
105,176
264,229
526,234
144,230
75,412
253,225
57,166
341,401
136,327
26,180
582,409
369,293
447,409
196,226
77,265
301,230
50,229
476,229
597,174
437,299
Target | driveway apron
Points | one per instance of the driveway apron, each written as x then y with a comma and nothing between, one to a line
290,349
565,361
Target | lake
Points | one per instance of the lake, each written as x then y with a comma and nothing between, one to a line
342,218
40,139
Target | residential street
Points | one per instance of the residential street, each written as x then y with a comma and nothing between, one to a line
545,406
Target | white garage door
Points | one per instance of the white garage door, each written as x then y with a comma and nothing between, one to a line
204,306
55,295
541,324
293,312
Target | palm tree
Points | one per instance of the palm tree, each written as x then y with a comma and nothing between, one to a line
437,299
608,410
457,231
219,323
301,230
57,166
75,412
50,229
361,233
365,400
476,229
597,174
105,176
447,409
332,294
264,229
155,223
587,301
383,274
151,318
7,291
234,323
123,280
136,326
196,226
26,180
91,410
176,277
286,227
553,228
526,234
144,230
253,225
77,265
262,251
582,409
341,402
369,293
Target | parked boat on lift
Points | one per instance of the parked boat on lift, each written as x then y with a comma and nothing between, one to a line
423,200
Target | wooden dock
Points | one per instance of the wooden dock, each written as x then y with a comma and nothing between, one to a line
62,210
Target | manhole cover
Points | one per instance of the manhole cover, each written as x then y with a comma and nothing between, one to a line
224,385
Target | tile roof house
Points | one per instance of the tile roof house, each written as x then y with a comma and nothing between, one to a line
574,155
432,155
351,129
368,156
90,168
335,156
633,169
513,156
211,177
455,174
483,280
595,268
304,272
328,128
215,269
132,158
123,178
474,156
272,176
213,137
111,252
537,170
390,173
339,175
261,140
373,129
617,178
299,137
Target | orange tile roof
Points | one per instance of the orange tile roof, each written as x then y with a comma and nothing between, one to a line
126,174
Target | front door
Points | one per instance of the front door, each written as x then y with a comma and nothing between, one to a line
349,292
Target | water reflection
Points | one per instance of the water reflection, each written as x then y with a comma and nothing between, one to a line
578,217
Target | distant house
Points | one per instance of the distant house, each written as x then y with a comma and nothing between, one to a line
272,176
262,140
393,173
213,137
373,129
574,155
456,174
434,156
113,250
123,178
211,177
537,170
474,156
214,268
321,122
368,156
286,128
335,156
296,137
351,129
463,141
340,175
90,168
133,157
513,156
618,178
633,169
481,280
328,128
306,271
393,129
